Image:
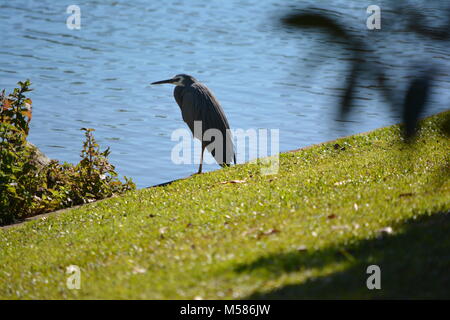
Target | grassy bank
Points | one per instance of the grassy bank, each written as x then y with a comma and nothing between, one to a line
308,232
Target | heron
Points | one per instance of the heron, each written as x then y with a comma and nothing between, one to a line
199,105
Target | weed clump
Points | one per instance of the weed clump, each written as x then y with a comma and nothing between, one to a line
30,183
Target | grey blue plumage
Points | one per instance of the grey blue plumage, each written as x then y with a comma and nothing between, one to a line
198,103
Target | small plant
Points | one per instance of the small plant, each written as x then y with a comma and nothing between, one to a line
27,187
15,168
93,178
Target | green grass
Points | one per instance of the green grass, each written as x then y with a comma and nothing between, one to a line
309,231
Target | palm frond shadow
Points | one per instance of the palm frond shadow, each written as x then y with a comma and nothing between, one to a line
362,69
414,264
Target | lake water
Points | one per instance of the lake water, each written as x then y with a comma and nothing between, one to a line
264,75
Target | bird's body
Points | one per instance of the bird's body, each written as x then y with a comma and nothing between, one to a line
198,104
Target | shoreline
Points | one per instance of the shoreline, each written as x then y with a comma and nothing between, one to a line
163,184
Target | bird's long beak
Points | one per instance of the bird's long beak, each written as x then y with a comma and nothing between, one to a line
164,81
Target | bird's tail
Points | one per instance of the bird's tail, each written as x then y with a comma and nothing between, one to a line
223,165
226,156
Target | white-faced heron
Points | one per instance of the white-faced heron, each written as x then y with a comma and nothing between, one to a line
197,103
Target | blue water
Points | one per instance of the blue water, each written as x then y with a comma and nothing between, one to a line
265,76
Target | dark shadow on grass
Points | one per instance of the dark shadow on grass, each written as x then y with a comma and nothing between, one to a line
410,157
164,183
415,264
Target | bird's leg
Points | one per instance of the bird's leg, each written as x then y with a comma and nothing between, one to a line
201,161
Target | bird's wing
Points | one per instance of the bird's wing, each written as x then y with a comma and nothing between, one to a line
178,95
199,104
190,110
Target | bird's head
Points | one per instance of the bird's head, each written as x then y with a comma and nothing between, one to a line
178,80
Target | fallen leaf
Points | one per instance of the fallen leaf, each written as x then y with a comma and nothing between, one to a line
387,230
406,194
384,232
233,181
271,231
248,232
340,227
332,216
268,233
137,270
